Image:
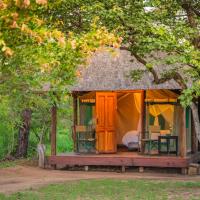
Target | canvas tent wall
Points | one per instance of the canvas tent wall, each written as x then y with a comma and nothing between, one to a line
161,111
129,108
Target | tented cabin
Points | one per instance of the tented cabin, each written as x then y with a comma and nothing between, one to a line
118,122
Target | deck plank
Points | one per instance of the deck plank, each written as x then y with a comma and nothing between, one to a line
120,159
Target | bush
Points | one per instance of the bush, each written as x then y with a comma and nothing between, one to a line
64,142
7,136
40,125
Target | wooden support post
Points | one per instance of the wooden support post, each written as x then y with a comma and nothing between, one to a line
141,169
123,169
75,119
86,168
53,129
184,171
182,133
143,119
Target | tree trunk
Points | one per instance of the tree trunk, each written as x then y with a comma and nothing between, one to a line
194,108
23,136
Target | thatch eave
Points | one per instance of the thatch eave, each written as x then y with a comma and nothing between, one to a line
108,72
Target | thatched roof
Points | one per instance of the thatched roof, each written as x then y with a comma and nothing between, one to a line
112,72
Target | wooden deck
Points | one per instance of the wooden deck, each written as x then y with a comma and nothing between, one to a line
122,159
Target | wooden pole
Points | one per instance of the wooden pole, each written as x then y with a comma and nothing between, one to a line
53,129
143,117
182,133
75,119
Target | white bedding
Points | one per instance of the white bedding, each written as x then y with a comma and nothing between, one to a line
130,137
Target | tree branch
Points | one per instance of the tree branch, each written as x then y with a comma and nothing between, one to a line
197,12
175,76
190,14
128,26
192,21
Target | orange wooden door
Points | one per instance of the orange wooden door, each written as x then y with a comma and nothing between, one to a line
105,127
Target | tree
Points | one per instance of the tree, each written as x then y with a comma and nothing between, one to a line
167,26
38,60
173,27
43,43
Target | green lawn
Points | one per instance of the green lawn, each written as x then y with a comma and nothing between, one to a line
112,190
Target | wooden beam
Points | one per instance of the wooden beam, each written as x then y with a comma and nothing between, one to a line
182,133
53,129
142,161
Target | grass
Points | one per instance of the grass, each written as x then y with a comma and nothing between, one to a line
5,164
64,144
25,161
112,190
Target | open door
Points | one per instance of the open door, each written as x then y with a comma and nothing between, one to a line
105,125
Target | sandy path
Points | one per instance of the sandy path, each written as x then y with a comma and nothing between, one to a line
19,178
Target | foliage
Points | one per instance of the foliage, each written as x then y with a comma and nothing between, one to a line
39,58
7,135
112,189
36,57
169,28
42,43
157,31
40,126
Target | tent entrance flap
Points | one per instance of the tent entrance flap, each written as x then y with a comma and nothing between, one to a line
129,118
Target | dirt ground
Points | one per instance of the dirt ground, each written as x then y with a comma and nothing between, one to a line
18,178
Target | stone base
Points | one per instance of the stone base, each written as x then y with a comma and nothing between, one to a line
141,169
193,169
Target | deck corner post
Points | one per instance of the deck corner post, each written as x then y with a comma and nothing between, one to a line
53,129
182,134
75,119
143,119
